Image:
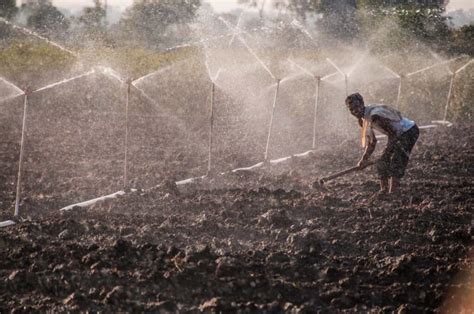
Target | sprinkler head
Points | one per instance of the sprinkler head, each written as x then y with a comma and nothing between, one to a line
28,90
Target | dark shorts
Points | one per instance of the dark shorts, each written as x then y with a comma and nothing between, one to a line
395,157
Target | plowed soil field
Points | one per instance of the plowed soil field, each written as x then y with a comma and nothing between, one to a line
260,241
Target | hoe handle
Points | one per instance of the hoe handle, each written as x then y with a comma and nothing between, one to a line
344,172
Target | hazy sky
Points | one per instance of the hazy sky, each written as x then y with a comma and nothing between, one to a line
220,5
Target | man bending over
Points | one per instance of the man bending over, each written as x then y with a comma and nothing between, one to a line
402,135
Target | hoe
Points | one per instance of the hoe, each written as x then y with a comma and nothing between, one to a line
320,182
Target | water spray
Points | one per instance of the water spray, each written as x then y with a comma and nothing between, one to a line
400,82
34,34
270,128
111,73
326,77
301,68
303,29
250,50
316,98
432,66
346,81
237,27
16,88
64,81
27,93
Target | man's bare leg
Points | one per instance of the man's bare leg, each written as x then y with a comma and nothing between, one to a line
384,187
394,184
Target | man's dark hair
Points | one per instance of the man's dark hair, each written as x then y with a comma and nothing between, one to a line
354,97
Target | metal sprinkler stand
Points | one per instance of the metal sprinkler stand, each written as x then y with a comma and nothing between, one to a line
28,92
270,128
125,159
400,86
316,103
451,86
211,129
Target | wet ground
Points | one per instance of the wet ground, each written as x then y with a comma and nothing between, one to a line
260,241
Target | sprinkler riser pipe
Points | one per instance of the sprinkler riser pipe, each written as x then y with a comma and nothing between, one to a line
211,127
125,161
270,128
346,81
316,103
448,100
399,94
20,160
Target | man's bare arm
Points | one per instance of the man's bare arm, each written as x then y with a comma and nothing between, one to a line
372,142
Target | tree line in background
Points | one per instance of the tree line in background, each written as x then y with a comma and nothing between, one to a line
158,24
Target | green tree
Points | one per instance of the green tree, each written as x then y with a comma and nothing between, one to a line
464,39
337,17
93,21
401,24
156,22
46,19
8,8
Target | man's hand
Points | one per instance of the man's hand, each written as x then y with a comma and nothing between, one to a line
362,163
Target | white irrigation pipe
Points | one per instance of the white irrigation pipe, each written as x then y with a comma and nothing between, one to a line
190,180
270,128
94,201
22,150
6,223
